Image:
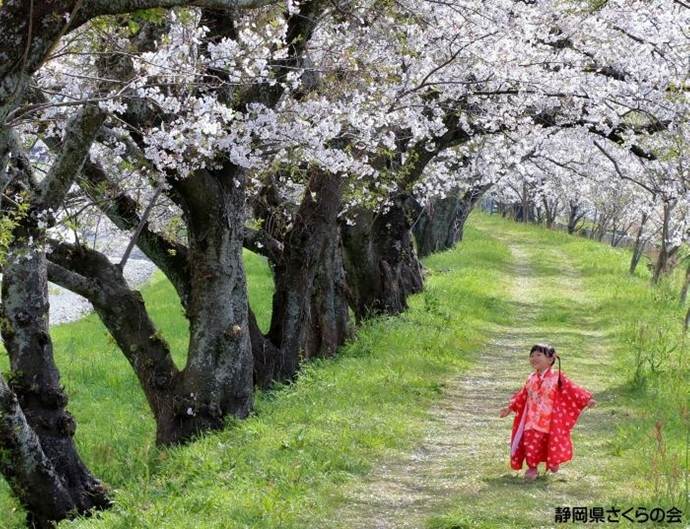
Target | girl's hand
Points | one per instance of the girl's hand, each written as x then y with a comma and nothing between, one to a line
591,404
504,412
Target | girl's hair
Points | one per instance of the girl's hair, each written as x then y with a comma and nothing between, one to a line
549,352
544,348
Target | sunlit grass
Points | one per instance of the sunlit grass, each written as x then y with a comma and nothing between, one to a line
284,466
611,329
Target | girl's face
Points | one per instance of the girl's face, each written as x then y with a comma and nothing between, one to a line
539,361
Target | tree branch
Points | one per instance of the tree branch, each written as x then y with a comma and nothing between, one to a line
94,8
169,256
72,281
618,169
79,136
260,242
137,232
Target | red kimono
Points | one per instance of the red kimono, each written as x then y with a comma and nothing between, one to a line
568,401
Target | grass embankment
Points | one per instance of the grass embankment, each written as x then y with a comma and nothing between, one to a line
311,447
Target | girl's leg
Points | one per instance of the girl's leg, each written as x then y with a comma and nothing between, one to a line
535,444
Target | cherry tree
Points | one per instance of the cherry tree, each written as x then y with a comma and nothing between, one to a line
39,458
636,53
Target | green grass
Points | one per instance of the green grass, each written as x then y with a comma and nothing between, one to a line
624,340
285,466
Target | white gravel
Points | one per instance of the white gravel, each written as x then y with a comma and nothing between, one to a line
66,306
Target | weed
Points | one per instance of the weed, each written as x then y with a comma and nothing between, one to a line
652,345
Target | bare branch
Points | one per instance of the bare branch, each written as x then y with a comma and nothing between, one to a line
72,281
109,7
620,173
142,222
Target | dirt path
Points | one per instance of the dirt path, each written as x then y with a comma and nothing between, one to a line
465,450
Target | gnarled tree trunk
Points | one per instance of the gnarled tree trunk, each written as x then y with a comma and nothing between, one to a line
440,226
25,329
31,475
380,261
70,488
330,323
218,378
310,313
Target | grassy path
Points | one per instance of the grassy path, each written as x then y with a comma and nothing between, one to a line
459,475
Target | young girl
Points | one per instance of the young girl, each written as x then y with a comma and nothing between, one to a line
546,409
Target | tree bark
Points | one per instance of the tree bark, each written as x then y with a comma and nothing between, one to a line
575,215
550,211
381,265
36,382
310,313
26,467
217,380
267,357
172,258
440,226
686,284
667,252
330,324
639,243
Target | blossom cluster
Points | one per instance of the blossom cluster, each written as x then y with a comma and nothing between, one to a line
570,102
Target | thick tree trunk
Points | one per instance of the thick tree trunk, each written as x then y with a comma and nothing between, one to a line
440,226
36,382
209,276
432,230
330,322
380,262
310,312
267,357
26,468
218,378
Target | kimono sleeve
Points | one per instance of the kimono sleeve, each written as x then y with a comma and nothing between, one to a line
518,401
573,400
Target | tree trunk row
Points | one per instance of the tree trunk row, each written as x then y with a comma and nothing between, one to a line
325,269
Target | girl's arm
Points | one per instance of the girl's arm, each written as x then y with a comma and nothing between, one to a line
516,403
581,397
